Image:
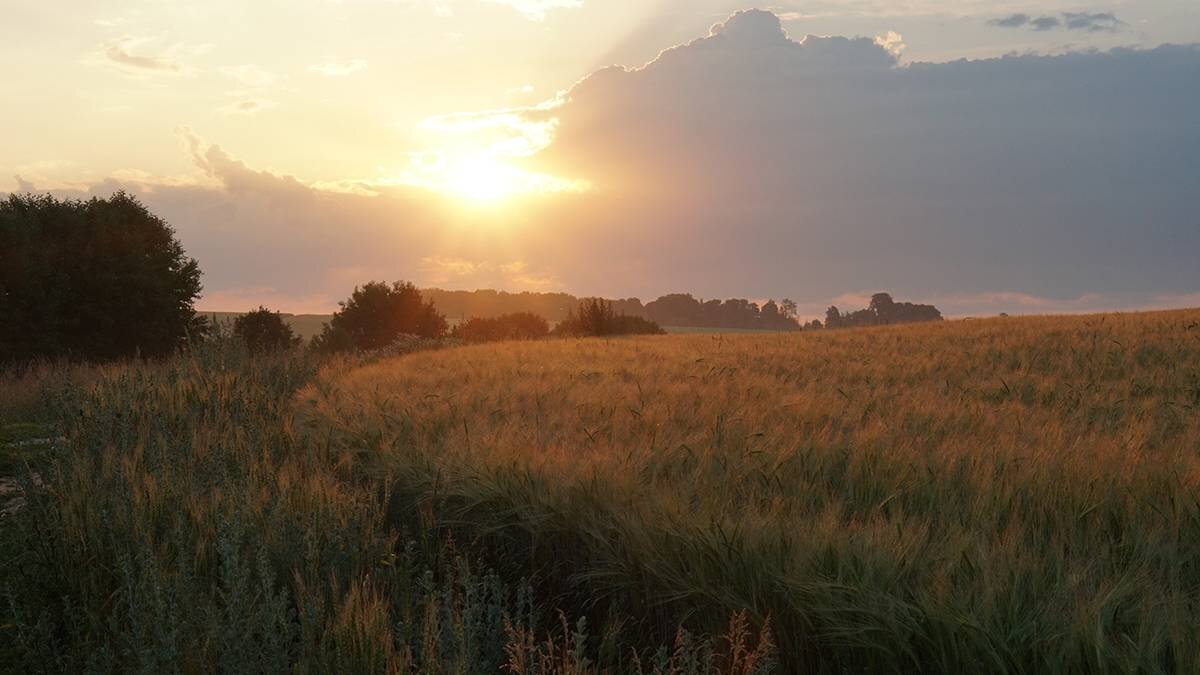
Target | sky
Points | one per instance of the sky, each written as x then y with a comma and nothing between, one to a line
984,155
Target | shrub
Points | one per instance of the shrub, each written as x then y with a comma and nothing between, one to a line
596,317
101,279
377,314
264,331
518,326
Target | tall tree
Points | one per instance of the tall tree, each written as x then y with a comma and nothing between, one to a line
264,331
376,314
100,279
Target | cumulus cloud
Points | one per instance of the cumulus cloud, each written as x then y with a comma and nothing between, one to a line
748,158
1099,22
339,68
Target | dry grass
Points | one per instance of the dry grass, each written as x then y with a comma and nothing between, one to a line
999,495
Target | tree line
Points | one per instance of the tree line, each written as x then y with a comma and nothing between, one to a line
677,309
105,279
882,311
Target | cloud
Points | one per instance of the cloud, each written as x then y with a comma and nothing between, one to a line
748,163
1014,21
250,106
536,10
120,53
1104,22
339,68
460,273
265,237
751,160
1093,23
1045,23
250,75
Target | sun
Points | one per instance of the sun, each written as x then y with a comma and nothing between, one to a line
482,179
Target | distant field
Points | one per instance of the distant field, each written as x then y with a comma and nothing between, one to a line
309,325
1002,495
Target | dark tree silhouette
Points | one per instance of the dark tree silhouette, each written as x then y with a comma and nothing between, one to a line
376,314
264,331
517,326
787,307
100,279
882,310
683,310
833,318
487,304
597,317
882,304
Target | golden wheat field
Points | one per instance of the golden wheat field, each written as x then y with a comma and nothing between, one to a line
1001,495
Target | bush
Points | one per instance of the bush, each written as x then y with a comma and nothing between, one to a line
376,315
102,279
264,331
596,317
518,326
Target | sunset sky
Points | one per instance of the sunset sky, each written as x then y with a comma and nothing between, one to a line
984,155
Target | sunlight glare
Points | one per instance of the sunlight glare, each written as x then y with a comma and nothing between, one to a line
483,179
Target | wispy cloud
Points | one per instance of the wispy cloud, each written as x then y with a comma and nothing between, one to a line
1091,22
339,68
536,10
1101,22
463,273
250,75
250,106
121,53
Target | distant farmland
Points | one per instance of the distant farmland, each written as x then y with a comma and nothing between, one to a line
309,325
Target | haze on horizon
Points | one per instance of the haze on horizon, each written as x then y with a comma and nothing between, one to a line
985,156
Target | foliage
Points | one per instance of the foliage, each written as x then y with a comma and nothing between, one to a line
683,310
264,331
882,311
596,317
519,326
1007,495
100,279
376,314
488,304
675,310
